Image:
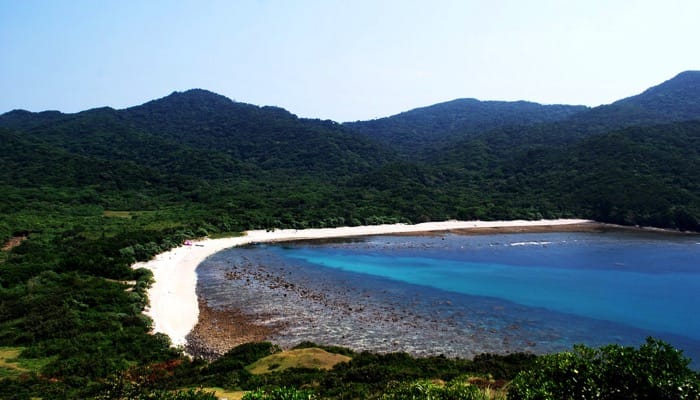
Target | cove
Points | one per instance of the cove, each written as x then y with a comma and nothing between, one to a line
642,281
462,295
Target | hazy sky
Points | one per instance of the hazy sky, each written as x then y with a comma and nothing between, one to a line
342,60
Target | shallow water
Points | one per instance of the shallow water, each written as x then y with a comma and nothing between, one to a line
462,295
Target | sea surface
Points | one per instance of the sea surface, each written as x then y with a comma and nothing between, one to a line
461,295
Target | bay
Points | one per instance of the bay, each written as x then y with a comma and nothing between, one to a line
536,292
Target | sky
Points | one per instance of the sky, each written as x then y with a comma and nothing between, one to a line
343,60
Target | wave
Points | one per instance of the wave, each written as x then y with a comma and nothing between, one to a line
529,244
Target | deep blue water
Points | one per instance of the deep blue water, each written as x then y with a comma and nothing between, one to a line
633,283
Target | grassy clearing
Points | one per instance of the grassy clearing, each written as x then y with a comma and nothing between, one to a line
300,358
223,394
11,366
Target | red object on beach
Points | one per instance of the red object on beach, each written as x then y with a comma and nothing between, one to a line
188,243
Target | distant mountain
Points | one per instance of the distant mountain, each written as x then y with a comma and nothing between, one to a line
632,162
677,99
203,134
268,137
414,131
428,132
23,120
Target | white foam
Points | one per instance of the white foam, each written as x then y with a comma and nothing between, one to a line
530,243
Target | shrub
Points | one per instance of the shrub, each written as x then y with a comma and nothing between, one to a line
654,371
120,387
427,390
282,393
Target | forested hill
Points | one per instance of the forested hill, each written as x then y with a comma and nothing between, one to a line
677,99
461,159
427,132
269,137
417,131
203,134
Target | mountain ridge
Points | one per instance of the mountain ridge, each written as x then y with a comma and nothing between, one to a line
420,128
676,99
681,80
207,140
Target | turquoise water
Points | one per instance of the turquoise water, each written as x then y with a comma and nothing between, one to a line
644,281
536,292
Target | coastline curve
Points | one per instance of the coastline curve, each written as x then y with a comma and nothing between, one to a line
174,306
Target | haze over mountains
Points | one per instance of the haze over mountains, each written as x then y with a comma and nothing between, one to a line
632,162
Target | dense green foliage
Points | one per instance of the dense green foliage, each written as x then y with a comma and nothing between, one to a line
367,375
418,131
93,192
427,132
427,390
249,166
282,393
654,371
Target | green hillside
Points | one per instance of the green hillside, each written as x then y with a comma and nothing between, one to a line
416,132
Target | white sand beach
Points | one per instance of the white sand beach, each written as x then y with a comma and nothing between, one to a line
173,299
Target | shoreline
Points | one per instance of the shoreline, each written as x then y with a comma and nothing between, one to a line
174,305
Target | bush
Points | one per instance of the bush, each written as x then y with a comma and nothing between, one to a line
427,390
138,385
282,393
654,371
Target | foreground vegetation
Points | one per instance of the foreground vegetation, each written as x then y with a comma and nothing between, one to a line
72,323
653,371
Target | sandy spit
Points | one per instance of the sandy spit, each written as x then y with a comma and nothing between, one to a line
174,306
